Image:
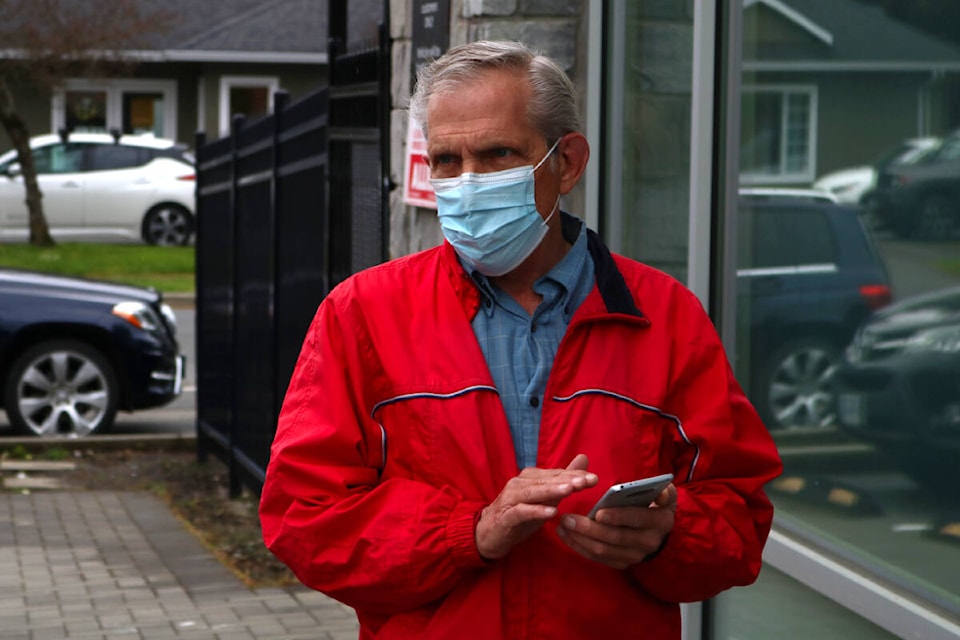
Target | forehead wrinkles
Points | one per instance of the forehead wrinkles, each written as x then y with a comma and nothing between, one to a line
505,92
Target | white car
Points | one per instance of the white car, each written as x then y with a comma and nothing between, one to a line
96,184
851,186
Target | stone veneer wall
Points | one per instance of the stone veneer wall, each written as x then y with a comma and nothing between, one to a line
556,27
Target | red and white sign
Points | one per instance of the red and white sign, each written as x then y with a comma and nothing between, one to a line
417,189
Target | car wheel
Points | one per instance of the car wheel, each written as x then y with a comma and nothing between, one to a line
61,388
795,387
167,225
935,219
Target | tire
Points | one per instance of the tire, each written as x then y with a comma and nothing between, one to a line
167,225
794,387
61,388
935,218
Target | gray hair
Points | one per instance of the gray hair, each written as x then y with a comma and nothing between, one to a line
553,101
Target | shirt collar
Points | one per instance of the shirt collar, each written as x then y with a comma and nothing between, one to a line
569,274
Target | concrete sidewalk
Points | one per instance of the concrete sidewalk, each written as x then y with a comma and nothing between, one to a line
118,565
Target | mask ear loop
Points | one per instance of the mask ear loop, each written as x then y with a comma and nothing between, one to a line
549,153
556,206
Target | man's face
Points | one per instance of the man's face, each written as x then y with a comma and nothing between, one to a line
483,127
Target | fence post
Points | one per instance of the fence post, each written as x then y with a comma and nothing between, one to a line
236,126
200,140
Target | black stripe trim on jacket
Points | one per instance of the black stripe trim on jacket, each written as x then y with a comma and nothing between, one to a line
613,289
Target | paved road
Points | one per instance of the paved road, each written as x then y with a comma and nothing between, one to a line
915,267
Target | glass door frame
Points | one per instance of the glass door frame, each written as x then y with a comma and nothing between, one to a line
711,261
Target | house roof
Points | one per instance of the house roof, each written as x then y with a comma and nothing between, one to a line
247,30
285,31
838,35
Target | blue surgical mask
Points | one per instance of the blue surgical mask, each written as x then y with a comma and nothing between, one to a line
491,219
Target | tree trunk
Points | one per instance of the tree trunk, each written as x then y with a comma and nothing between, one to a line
19,135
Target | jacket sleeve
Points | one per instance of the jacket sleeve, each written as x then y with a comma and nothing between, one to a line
381,546
723,515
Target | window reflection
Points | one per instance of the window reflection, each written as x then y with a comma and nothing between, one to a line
869,426
778,134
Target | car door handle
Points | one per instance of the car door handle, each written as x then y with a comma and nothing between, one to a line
70,184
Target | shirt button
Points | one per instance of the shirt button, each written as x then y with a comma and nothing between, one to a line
533,328
534,402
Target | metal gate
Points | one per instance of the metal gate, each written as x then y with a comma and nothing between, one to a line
287,206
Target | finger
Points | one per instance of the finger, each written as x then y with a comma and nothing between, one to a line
611,556
641,539
667,497
579,462
548,490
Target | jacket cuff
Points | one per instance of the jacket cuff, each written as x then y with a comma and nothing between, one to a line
462,537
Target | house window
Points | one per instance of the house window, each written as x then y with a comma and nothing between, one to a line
132,106
778,135
143,112
86,110
250,96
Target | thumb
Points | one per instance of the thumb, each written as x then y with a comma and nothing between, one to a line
579,462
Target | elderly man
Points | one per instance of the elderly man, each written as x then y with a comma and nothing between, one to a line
456,413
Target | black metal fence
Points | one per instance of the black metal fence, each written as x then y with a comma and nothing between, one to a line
287,206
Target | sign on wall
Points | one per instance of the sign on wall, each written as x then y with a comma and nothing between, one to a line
417,189
431,32
430,39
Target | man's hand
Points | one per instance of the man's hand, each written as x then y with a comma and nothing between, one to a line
621,536
525,503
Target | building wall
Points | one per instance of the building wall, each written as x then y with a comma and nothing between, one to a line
297,80
34,107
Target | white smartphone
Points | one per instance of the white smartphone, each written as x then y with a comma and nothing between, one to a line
638,493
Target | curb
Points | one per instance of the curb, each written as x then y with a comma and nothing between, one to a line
152,442
180,300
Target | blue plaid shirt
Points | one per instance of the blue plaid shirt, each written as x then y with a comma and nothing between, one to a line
520,348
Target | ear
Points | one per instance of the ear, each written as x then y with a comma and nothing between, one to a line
574,151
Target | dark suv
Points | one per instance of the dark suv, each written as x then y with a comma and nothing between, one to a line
808,275
921,200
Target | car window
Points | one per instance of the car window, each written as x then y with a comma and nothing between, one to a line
178,152
105,157
949,150
785,237
58,158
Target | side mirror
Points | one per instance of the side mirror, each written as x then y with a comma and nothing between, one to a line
12,170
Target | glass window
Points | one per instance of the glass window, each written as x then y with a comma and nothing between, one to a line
104,157
778,134
250,96
143,113
131,105
855,369
58,158
647,149
249,101
86,110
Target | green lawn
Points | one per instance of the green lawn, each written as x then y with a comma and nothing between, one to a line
168,269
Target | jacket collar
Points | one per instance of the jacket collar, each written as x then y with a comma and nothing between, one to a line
610,283
613,289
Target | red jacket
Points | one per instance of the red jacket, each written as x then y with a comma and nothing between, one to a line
392,438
